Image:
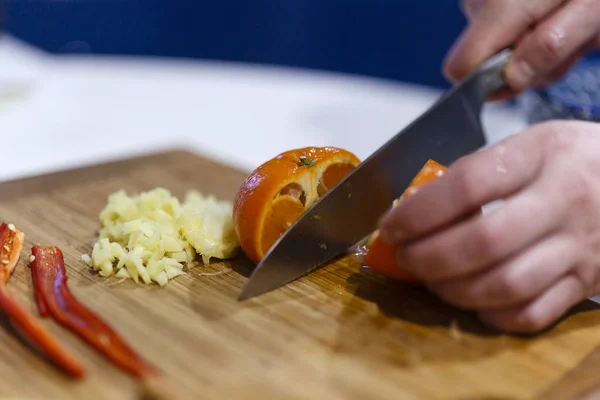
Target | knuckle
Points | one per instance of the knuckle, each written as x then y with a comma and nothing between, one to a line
558,137
551,42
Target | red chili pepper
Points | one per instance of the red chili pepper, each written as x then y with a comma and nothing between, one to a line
54,299
11,242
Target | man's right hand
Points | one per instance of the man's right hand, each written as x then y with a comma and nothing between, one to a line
548,37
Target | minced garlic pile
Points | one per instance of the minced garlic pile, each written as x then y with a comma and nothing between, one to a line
152,237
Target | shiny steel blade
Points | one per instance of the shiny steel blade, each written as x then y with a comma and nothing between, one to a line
349,212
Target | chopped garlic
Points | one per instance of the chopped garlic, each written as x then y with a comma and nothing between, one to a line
31,258
152,236
454,330
162,279
86,259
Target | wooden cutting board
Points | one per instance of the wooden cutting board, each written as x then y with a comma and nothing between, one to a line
339,333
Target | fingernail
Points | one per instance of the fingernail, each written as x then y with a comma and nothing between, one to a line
453,67
520,74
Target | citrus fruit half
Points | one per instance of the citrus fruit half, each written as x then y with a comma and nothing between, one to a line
11,245
278,192
381,257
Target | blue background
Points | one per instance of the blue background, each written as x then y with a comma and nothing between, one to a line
403,40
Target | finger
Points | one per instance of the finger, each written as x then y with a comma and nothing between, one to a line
473,181
516,281
553,42
507,93
541,312
497,25
560,71
477,244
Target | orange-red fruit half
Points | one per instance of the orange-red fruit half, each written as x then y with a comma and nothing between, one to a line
381,257
278,192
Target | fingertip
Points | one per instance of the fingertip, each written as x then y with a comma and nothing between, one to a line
519,74
449,71
455,67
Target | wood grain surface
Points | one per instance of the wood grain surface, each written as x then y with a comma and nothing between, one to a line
340,333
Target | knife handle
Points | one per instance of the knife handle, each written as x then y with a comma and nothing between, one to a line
489,77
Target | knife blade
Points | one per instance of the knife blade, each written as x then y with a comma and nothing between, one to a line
349,212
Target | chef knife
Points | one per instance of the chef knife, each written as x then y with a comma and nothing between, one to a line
349,212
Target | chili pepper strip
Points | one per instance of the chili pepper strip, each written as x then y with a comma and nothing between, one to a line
11,245
54,299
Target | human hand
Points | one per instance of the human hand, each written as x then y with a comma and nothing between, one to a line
548,37
524,264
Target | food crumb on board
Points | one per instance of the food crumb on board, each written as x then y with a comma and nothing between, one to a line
224,271
455,331
86,259
31,258
155,389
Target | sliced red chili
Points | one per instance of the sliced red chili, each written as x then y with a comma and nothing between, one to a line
54,299
11,242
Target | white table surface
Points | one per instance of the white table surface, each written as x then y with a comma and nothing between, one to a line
58,113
